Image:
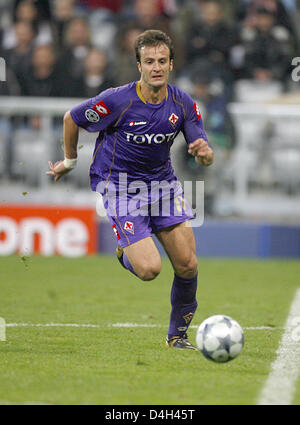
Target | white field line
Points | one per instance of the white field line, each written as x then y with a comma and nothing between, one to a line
280,385
114,325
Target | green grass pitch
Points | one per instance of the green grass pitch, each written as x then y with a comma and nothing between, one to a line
112,365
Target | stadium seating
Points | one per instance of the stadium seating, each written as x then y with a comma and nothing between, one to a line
257,91
27,152
4,139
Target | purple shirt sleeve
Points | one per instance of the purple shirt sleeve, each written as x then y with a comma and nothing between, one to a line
97,113
193,124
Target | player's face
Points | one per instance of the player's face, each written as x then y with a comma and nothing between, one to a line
155,65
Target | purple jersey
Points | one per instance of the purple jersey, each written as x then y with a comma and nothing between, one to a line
135,136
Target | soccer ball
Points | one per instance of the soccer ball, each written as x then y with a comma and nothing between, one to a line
220,338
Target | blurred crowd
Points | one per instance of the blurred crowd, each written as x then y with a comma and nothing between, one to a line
224,50
81,47
77,48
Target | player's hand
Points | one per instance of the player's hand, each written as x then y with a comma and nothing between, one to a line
57,170
203,154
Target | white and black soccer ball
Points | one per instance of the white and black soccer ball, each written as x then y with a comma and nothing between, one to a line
220,338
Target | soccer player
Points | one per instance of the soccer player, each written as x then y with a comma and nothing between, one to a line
136,125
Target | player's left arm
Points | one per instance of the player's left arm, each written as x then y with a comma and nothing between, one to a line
203,153
195,134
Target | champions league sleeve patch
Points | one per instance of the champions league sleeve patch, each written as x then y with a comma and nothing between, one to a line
91,115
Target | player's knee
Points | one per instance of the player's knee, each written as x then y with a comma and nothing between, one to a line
188,267
149,272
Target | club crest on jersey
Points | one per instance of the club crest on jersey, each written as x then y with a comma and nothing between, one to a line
173,119
91,115
129,226
101,109
114,226
197,110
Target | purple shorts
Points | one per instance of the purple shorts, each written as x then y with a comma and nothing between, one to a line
144,211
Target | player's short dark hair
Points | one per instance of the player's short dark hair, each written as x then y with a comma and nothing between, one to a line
153,38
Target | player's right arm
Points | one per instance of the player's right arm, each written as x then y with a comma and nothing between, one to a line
71,131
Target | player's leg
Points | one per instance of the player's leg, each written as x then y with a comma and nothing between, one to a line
143,259
136,250
179,243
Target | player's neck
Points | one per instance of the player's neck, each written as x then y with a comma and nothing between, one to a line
153,95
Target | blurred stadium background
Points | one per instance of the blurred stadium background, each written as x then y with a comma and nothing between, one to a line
236,58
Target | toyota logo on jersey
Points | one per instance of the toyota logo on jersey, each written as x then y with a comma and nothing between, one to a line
149,138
